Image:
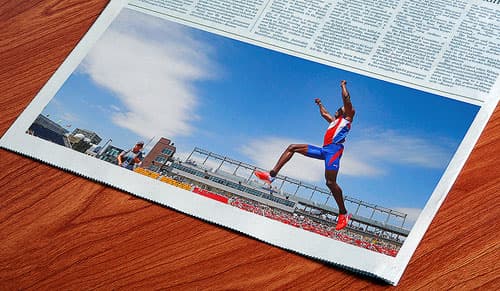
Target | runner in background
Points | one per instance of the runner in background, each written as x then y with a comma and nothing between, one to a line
132,157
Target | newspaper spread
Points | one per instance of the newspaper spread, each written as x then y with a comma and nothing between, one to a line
331,128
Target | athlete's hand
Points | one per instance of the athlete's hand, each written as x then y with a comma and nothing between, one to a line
343,83
318,101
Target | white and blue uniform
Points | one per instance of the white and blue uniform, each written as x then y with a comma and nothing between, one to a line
128,158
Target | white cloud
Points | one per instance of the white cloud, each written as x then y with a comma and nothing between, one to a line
69,117
353,164
399,148
115,108
150,66
413,214
61,114
373,154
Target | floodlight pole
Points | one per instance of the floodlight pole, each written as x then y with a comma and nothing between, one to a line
189,157
206,159
282,183
235,170
312,194
388,216
251,174
296,190
220,164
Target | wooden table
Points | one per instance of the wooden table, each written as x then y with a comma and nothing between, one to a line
62,231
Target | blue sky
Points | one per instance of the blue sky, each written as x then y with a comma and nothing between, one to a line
150,77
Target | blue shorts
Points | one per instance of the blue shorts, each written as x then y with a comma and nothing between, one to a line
331,154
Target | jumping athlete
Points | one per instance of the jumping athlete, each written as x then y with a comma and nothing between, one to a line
331,152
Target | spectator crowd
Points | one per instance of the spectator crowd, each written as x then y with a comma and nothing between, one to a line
300,221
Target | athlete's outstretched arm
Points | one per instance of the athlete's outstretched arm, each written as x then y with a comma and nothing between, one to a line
322,110
346,98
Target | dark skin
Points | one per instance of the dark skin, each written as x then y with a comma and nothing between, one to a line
330,175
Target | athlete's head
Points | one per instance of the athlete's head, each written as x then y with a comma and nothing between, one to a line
339,112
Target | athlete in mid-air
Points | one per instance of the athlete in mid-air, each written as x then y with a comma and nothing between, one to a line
331,152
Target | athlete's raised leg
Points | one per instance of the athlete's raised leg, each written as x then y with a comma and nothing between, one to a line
268,177
287,155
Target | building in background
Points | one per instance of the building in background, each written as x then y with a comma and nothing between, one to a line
82,145
110,154
49,130
161,153
92,136
83,139
93,151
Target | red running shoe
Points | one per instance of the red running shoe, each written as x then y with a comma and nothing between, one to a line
264,176
342,221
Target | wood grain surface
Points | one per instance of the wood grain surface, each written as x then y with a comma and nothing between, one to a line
61,231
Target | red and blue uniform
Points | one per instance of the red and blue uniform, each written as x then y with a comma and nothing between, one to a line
333,147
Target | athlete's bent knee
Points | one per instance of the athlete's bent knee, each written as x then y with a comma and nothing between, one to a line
292,148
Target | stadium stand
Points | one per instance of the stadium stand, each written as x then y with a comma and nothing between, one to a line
303,222
211,195
168,180
147,172
273,203
175,183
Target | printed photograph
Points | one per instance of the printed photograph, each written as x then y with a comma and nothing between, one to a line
332,152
